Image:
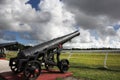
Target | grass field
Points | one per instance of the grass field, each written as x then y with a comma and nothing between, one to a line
89,66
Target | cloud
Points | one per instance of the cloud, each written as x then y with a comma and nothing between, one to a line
95,19
92,7
92,14
50,22
99,16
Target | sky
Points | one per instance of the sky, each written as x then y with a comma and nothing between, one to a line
31,22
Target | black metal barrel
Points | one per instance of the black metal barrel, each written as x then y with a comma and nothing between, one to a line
8,44
46,45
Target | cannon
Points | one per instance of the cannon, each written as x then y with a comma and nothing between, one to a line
31,60
2,48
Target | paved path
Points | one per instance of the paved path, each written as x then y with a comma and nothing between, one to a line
4,66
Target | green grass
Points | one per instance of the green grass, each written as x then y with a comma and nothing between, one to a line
89,66
11,54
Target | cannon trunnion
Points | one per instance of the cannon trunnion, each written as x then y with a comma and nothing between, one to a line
30,61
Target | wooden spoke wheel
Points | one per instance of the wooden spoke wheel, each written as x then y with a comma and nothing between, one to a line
63,65
32,70
14,66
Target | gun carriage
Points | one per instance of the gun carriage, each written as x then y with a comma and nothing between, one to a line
2,48
29,61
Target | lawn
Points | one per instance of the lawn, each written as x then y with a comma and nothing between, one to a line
89,66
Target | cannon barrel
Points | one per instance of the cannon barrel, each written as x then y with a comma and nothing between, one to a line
8,44
47,45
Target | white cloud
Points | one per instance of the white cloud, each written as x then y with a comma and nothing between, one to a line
50,22
55,19
11,14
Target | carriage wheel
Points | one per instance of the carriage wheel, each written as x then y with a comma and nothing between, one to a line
32,70
63,65
14,66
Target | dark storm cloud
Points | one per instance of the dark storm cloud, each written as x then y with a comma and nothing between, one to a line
96,15
103,32
110,8
86,21
2,1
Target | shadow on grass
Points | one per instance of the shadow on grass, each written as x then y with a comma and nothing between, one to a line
95,68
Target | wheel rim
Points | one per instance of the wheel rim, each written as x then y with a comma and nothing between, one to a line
64,66
14,66
32,70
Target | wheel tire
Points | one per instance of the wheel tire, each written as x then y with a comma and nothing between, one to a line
63,65
32,70
14,66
